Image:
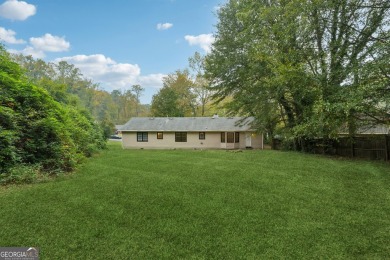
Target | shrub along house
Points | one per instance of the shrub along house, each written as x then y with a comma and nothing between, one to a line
190,133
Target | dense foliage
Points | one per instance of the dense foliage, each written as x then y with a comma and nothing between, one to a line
176,97
39,135
304,68
185,93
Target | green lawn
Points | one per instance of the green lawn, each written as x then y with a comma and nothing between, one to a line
148,204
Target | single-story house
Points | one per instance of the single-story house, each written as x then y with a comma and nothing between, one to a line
190,133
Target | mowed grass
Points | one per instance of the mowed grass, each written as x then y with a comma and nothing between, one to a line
192,204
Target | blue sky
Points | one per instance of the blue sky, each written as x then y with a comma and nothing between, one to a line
116,43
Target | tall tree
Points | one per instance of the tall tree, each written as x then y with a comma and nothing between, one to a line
309,63
180,81
116,97
137,90
166,103
201,84
176,97
68,74
35,70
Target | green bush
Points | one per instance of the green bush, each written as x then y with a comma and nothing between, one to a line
21,174
37,131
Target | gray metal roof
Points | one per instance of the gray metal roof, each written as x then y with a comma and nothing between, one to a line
188,124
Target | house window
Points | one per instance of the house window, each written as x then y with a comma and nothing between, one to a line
222,137
202,135
142,136
160,135
237,137
230,137
180,137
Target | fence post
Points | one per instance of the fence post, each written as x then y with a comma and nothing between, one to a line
353,147
387,148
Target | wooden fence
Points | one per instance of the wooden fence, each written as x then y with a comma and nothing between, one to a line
372,147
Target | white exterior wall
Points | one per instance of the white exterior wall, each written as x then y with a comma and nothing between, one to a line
212,141
257,141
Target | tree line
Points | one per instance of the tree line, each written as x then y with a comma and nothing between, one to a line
66,83
185,92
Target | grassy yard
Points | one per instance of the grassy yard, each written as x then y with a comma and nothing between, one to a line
148,204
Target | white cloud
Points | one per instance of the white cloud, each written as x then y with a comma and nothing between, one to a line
203,40
113,75
40,45
8,36
50,43
17,10
164,26
37,54
152,80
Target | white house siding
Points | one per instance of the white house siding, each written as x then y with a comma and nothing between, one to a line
257,141
212,141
